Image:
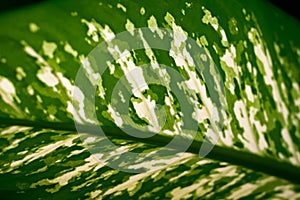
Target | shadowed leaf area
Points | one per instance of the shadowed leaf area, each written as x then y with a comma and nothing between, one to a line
245,99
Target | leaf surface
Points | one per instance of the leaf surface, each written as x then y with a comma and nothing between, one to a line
255,49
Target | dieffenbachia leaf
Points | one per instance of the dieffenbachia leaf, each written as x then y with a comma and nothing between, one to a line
254,47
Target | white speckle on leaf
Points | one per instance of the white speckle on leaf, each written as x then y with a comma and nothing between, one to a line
46,76
247,137
7,90
122,7
111,67
92,30
290,145
129,27
41,152
169,18
64,179
89,140
142,10
95,193
200,114
77,108
261,129
14,129
138,83
39,99
121,96
188,4
66,83
183,11
33,27
3,60
49,48
30,51
107,33
286,191
266,68
152,24
249,188
30,90
169,102
185,192
209,19
180,35
149,53
20,73
249,93
154,170
202,41
133,74
73,111
146,109
68,48
224,38
94,77
228,58
74,14
231,88
115,115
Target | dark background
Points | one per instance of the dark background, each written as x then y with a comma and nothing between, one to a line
291,7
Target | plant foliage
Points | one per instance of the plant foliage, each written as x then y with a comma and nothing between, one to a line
255,48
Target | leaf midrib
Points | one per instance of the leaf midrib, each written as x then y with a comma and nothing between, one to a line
249,160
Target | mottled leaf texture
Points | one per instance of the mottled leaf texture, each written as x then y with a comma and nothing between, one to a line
256,51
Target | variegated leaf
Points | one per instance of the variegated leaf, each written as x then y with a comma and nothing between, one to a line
254,106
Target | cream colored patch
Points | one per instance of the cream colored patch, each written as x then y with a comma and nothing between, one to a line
267,65
134,180
122,7
94,77
66,83
247,137
20,73
46,76
30,90
74,14
68,48
261,129
209,19
66,177
7,90
3,60
115,115
249,93
92,30
142,10
49,48
248,188
42,152
152,24
146,109
130,27
33,27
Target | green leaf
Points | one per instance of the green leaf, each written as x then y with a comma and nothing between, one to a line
248,97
